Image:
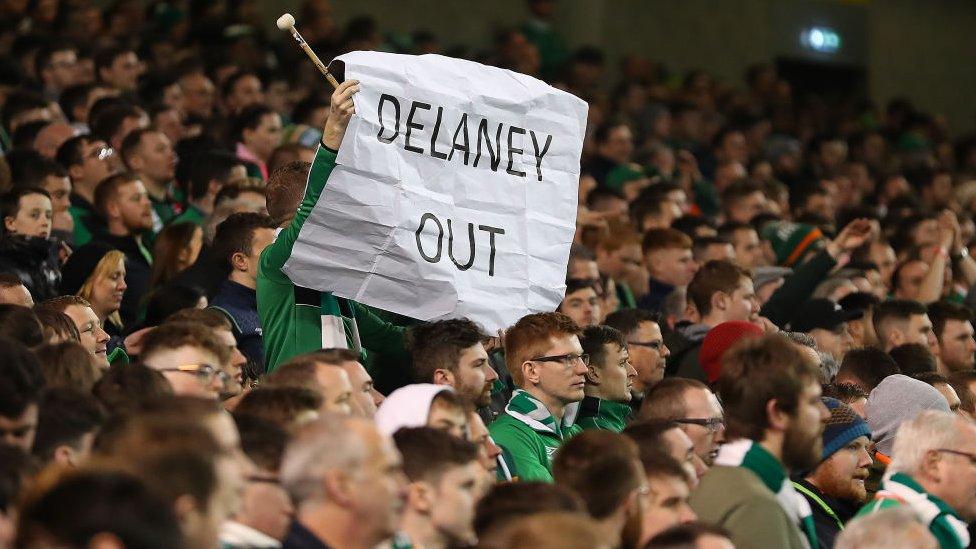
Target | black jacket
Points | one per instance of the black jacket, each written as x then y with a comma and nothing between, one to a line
34,261
826,525
138,271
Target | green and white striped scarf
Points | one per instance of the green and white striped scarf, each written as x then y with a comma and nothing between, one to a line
942,520
746,453
527,409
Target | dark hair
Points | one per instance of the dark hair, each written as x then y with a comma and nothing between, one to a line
507,501
303,109
859,301
600,466
10,201
206,167
894,310
174,239
262,440
26,133
67,365
870,365
20,324
106,57
942,311
64,417
17,103
574,285
125,386
682,536
16,468
756,371
133,141
20,378
236,235
168,299
47,50
717,275
74,97
56,323
32,171
689,224
739,190
249,118
107,123
70,152
283,405
234,191
913,359
664,239
231,81
595,339
10,280
86,503
627,321
438,345
960,382
602,132
428,452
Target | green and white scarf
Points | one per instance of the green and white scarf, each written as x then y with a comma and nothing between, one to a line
527,409
942,520
746,453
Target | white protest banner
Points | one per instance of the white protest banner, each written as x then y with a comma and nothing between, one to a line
454,194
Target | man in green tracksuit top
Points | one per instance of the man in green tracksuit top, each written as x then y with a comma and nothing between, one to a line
547,363
608,382
933,473
299,320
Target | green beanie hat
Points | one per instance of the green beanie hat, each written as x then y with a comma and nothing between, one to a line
791,241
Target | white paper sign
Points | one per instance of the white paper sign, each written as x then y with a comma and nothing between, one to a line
454,195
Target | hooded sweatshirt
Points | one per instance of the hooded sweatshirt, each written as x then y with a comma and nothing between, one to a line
408,406
685,343
529,435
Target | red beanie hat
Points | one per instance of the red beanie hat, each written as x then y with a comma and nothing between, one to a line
718,340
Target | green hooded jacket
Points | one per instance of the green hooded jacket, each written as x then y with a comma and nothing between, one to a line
529,436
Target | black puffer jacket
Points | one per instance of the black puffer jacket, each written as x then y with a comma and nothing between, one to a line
35,261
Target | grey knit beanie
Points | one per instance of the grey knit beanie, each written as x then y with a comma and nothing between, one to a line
896,399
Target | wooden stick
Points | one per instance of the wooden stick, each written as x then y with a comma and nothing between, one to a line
315,58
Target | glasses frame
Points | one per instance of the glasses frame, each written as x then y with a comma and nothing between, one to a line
656,345
713,424
967,455
566,359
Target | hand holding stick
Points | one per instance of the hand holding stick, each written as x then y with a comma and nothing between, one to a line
287,22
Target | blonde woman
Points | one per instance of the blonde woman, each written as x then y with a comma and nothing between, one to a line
96,272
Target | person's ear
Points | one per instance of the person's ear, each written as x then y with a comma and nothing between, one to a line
530,372
8,223
112,209
214,186
719,301
443,377
896,338
64,455
184,507
135,162
929,465
338,487
76,171
777,418
420,497
239,261
592,375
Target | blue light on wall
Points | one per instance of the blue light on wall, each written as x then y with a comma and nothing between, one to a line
820,39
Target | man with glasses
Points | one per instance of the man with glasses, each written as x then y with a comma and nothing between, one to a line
88,162
691,405
56,66
188,354
608,381
645,346
547,364
933,473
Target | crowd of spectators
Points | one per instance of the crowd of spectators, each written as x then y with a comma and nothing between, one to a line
766,338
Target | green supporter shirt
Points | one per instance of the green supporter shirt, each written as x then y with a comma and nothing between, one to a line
901,490
528,440
602,414
298,320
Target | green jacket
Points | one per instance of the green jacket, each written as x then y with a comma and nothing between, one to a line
85,220
943,522
736,499
298,320
602,414
529,436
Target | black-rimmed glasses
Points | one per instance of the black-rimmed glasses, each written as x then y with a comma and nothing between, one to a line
567,359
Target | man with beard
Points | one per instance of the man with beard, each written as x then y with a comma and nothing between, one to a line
451,352
953,327
835,488
608,381
774,420
932,473
604,469
124,204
